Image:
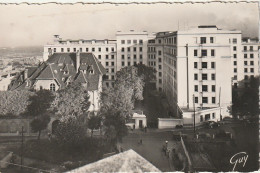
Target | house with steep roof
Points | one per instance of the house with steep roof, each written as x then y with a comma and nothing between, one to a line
62,69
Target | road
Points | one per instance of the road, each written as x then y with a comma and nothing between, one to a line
151,147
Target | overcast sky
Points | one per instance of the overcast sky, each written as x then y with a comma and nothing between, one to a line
29,25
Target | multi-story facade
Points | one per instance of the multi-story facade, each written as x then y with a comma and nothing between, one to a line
197,71
128,49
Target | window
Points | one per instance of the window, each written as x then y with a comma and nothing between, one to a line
213,116
204,65
205,88
245,55
160,74
196,88
211,39
235,77
140,41
203,52
203,40
135,41
196,99
62,49
195,65
204,76
212,52
74,49
99,56
122,49
251,55
107,63
134,49
86,49
201,118
235,85
93,49
141,56
123,56
112,77
245,48
213,99
160,67
251,48
123,63
52,87
112,63
159,52
195,52
195,76
54,50
212,65
251,62
160,59
207,117
68,49
140,49
235,63
213,76
106,56
99,49
112,70
234,48
134,56
235,55
112,49
129,63
122,41
245,77
235,70
252,70
204,99
245,62
160,80
80,49
128,41
106,49
234,41
112,56
128,49
213,88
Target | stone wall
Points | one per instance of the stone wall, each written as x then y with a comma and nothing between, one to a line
14,125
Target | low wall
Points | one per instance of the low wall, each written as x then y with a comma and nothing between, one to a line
164,123
14,125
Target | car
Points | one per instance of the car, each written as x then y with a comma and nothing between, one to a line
211,124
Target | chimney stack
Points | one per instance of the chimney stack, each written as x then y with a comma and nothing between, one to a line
77,60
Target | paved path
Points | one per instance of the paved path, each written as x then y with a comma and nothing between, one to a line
151,147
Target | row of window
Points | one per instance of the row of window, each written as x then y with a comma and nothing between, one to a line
151,56
93,49
204,76
112,63
129,63
204,52
251,48
151,49
107,56
129,49
245,63
112,70
207,117
204,65
204,40
251,55
131,41
246,70
205,100
204,88
134,56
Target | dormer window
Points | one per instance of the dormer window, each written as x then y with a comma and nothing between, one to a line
66,72
84,71
63,79
91,71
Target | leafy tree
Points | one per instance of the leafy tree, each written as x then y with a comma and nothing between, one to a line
73,99
246,100
14,102
148,73
39,108
40,123
94,122
71,130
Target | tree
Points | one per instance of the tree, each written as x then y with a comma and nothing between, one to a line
71,130
39,107
14,102
73,99
94,122
246,100
40,123
148,73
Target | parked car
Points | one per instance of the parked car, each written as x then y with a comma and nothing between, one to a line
211,124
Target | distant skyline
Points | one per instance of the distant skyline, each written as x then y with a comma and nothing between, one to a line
35,25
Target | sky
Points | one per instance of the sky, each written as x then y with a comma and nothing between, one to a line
35,25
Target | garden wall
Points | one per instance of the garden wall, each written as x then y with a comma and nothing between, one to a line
164,123
13,125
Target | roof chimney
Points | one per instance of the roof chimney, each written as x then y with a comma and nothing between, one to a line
77,60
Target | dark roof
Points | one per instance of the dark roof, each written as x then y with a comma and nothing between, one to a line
61,67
